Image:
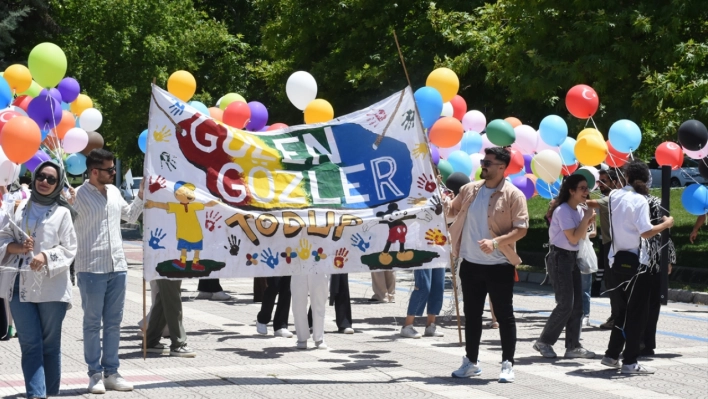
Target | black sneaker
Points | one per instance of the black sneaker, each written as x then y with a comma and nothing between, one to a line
183,351
608,325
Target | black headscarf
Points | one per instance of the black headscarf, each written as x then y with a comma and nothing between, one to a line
55,196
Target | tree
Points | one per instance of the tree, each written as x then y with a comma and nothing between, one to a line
21,22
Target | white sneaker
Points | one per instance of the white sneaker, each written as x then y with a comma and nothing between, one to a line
183,351
409,332
586,321
96,384
468,369
348,330
116,382
432,331
261,328
507,372
283,332
159,348
220,296
301,345
204,295
321,345
636,368
610,362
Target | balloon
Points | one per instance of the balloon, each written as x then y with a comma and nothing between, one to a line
692,135
216,113
501,133
476,166
460,162
455,182
6,115
516,164
446,151
527,163
703,167
95,140
259,116
9,171
615,159
625,136
553,130
459,107
591,150
695,199
75,140
514,122
18,77
434,154
445,81
474,121
45,111
430,105
301,89
20,139
90,119
23,102
52,92
669,154
568,170
526,139
582,101
595,174
47,64
69,89
82,103
33,90
199,106
67,122
226,100
445,168
5,94
590,132
318,111
277,126
75,164
39,157
546,165
567,151
485,143
524,184
548,190
142,141
182,85
471,142
700,154
447,110
237,114
446,132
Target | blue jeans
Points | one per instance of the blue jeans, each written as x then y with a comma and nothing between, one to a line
429,287
586,281
40,343
102,298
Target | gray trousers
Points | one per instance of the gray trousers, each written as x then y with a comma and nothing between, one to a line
383,284
568,313
167,311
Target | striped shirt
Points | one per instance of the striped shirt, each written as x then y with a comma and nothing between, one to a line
100,248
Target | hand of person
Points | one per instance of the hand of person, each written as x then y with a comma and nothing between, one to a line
487,246
693,236
142,186
38,262
28,245
589,214
669,220
670,267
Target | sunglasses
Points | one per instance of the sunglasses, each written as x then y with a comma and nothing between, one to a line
42,177
583,188
487,163
110,170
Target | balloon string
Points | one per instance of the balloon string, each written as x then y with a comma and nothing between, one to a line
593,122
57,148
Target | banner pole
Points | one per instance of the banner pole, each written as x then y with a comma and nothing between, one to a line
144,327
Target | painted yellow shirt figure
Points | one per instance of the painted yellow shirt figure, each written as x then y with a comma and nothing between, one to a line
188,227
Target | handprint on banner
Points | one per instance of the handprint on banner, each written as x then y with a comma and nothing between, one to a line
417,201
161,135
303,252
319,254
340,257
212,219
234,244
435,237
376,117
436,204
409,122
168,160
288,254
177,108
158,184
270,259
251,259
358,241
155,237
420,150
427,184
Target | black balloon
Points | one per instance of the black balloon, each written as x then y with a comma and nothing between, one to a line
703,167
455,181
693,135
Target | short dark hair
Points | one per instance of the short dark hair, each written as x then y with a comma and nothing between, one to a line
500,154
637,174
96,158
603,172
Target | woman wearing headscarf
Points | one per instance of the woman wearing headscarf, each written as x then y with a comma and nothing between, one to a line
37,248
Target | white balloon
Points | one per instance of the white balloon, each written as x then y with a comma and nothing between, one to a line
543,146
17,109
476,158
700,154
91,119
301,89
445,152
526,139
9,170
474,120
447,109
547,166
75,140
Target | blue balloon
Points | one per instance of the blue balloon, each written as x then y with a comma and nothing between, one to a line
460,162
519,174
567,152
695,199
199,106
430,105
548,191
45,133
625,136
553,130
5,94
65,106
471,142
143,141
75,164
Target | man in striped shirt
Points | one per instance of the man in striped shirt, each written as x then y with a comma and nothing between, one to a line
101,268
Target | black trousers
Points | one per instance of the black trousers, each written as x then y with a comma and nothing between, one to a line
649,336
259,286
616,302
280,287
631,318
3,320
497,280
209,285
339,297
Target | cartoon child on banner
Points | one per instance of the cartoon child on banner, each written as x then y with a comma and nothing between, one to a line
189,231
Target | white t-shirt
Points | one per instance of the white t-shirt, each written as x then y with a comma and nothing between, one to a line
477,228
629,220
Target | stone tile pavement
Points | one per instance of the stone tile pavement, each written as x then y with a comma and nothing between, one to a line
233,361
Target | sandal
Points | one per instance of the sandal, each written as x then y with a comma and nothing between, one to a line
492,324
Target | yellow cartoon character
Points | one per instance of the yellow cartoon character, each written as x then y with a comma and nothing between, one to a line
189,231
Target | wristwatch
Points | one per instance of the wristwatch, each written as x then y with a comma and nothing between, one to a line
495,244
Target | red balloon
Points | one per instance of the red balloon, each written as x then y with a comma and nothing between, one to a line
22,102
568,170
615,159
582,101
516,163
669,153
459,107
6,116
237,114
277,126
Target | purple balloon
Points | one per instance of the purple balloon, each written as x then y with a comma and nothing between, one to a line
527,162
69,89
259,116
435,154
52,92
36,159
524,184
45,110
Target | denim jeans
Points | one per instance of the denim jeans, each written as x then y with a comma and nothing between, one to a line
40,342
586,283
568,313
102,299
429,287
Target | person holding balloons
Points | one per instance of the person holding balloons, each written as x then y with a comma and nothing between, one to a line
699,222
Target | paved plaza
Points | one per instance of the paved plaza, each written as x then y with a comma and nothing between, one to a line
234,362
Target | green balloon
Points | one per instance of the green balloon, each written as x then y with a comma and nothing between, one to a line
445,169
47,63
501,133
229,98
33,90
588,177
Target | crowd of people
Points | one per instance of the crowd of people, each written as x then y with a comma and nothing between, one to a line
51,231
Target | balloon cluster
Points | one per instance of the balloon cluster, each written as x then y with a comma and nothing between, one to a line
43,115
693,137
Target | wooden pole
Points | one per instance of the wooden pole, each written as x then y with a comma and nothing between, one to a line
145,322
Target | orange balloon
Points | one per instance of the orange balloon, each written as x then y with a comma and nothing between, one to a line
216,113
514,122
67,122
20,139
446,132
19,78
81,104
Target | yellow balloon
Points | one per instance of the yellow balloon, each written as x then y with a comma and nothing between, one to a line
81,104
445,81
19,77
318,111
590,132
591,150
182,85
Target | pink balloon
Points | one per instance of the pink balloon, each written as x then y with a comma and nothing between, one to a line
445,152
543,146
526,139
75,140
474,120
700,154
